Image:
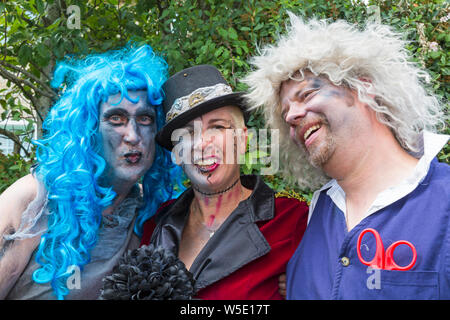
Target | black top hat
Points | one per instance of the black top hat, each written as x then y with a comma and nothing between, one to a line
192,92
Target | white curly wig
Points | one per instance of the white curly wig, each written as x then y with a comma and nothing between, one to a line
371,62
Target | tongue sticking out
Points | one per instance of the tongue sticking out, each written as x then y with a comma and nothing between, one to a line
207,168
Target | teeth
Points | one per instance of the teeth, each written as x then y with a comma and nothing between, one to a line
206,162
310,130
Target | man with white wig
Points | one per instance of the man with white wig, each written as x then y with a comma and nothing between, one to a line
356,111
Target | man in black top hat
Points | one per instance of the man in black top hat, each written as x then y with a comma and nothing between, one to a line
232,232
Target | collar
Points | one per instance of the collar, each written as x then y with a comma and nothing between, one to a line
260,203
432,144
238,240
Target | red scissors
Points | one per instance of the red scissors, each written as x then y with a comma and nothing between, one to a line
385,260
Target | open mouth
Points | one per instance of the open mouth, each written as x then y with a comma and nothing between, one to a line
133,157
206,165
310,133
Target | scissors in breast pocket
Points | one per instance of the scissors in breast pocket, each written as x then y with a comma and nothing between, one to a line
385,260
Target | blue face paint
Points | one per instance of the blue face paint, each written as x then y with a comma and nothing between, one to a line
127,133
75,156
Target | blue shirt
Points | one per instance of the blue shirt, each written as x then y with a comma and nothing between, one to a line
326,264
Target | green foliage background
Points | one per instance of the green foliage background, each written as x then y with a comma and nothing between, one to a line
226,33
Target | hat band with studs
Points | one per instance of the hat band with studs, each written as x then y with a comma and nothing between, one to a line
198,96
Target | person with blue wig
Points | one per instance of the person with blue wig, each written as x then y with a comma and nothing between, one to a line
65,226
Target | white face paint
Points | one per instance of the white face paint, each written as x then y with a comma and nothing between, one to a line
127,131
209,149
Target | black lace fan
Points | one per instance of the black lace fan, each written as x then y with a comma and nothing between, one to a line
148,273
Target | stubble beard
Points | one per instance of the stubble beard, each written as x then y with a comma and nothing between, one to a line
320,152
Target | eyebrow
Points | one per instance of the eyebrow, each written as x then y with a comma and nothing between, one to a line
139,111
220,120
146,110
317,83
310,82
112,111
229,123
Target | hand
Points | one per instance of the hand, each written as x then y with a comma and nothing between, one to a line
282,285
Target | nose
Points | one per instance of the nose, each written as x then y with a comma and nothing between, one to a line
132,135
203,140
297,111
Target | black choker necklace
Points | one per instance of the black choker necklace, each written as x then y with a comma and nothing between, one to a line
218,192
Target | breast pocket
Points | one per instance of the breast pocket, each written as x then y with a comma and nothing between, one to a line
409,285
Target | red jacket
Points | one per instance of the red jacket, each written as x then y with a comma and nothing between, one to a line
245,257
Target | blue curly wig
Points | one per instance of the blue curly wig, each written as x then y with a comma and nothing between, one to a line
68,158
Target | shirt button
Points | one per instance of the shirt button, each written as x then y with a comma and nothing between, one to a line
345,261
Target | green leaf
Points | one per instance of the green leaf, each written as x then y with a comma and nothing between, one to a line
14,168
27,111
81,44
232,34
223,33
42,50
102,21
40,7
54,25
219,51
24,55
434,54
16,116
258,27
164,14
